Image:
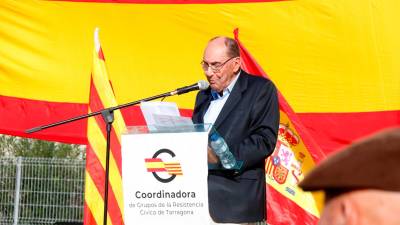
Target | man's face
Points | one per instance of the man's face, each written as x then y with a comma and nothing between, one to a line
219,68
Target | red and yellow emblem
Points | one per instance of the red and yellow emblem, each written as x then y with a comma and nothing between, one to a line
157,165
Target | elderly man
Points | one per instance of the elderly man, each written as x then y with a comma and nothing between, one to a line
244,110
361,183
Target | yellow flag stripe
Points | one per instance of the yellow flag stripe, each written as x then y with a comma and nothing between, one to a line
94,201
334,66
106,95
97,141
155,165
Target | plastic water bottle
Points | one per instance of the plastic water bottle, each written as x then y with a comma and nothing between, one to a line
221,149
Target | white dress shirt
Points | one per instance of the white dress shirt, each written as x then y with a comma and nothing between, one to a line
218,102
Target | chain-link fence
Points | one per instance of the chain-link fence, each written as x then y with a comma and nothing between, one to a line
41,190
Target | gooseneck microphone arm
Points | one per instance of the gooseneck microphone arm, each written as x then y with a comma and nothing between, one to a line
110,109
202,85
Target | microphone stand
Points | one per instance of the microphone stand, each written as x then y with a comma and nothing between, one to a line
108,117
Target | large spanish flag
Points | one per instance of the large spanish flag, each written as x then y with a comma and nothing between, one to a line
334,61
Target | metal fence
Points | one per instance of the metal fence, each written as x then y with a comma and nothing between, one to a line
41,190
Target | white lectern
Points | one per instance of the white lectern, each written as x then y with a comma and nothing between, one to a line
164,175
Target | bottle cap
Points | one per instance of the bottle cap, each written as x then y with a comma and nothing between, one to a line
214,136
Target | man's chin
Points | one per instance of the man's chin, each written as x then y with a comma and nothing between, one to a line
215,88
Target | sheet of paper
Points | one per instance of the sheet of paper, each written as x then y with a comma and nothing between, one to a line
160,108
162,116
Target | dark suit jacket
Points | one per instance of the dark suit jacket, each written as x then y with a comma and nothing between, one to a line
249,123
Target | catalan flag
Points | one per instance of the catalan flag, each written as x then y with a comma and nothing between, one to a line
102,96
295,154
157,165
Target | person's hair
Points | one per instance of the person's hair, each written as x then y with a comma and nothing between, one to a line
231,45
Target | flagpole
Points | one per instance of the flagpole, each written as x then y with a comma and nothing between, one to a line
108,117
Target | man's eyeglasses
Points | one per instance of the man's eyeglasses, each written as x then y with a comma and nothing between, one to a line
216,66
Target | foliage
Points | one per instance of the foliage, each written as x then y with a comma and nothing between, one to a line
25,147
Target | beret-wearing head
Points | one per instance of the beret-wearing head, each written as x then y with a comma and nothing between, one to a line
371,163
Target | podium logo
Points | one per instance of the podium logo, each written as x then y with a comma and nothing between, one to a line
164,172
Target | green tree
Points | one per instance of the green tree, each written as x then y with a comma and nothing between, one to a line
26,147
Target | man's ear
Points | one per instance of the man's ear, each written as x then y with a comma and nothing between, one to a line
349,212
237,64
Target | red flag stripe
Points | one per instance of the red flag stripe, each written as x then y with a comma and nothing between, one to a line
95,105
101,55
94,168
19,114
156,170
173,1
89,219
153,160
335,130
96,171
288,210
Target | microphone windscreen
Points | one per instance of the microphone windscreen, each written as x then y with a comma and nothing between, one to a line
203,85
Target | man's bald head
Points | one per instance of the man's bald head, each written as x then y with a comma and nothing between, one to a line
231,46
221,62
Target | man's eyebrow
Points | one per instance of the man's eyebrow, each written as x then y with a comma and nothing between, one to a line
214,63
211,63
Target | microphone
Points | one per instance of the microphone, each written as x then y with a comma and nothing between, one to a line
201,85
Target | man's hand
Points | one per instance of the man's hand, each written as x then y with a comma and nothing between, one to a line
212,158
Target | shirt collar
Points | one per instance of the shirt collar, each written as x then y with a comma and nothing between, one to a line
215,95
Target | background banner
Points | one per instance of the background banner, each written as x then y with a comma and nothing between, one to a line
334,61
